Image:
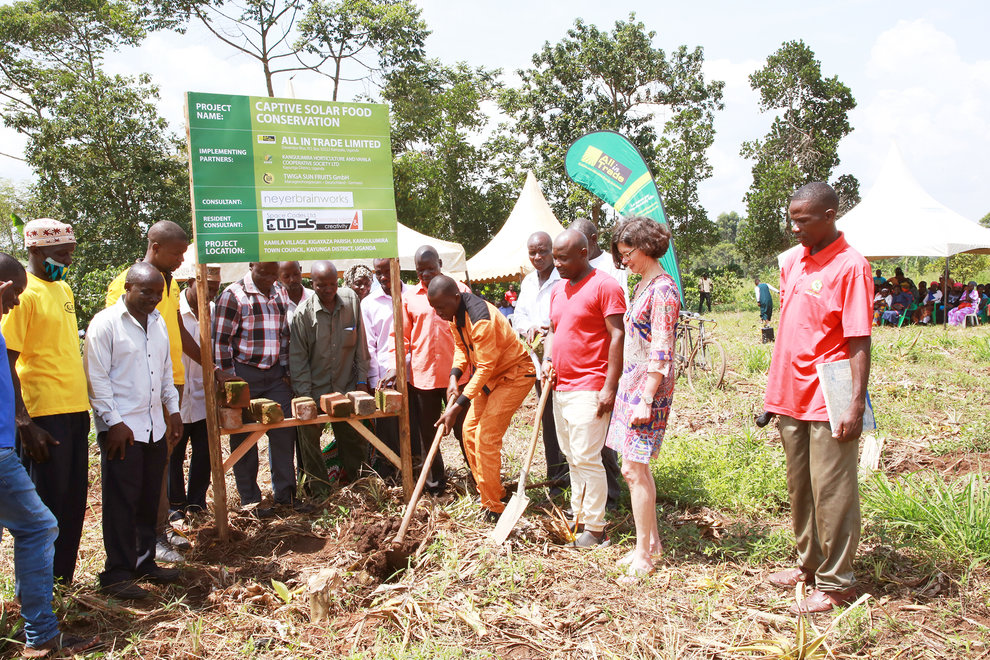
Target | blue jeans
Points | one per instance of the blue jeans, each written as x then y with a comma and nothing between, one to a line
34,530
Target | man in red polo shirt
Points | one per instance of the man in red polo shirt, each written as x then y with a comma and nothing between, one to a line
826,294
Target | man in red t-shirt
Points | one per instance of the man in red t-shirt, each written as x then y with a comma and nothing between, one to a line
826,294
585,349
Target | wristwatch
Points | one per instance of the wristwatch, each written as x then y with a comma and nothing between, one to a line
647,399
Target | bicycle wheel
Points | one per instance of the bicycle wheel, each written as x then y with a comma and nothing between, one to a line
706,370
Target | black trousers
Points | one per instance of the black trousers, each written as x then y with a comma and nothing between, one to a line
556,461
195,436
62,483
387,430
705,297
267,383
131,491
425,408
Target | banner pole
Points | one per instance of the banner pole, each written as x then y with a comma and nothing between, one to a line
206,360
405,448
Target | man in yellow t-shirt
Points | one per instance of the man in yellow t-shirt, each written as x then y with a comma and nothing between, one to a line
167,243
51,403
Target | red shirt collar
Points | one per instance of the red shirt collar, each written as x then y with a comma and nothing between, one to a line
825,255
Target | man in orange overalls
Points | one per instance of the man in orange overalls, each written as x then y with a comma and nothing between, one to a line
486,347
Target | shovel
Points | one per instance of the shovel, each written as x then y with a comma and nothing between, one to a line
517,505
397,556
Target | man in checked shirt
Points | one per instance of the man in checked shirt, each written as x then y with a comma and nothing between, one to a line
251,341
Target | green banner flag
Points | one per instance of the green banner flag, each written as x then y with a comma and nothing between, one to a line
288,179
611,167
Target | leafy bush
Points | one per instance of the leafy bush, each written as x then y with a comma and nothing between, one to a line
90,291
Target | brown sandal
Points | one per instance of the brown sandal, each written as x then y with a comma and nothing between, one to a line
823,601
790,578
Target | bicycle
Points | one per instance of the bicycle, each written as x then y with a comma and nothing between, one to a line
698,353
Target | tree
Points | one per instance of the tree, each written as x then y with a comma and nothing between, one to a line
323,36
728,226
985,220
376,36
802,145
104,158
597,80
15,200
446,181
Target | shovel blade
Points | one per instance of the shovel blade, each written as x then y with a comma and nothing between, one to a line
507,521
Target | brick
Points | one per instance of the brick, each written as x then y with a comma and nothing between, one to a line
336,405
234,394
304,407
231,418
266,411
364,403
388,401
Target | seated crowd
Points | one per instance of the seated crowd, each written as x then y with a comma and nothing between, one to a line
898,300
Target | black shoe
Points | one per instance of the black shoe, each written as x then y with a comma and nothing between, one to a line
302,507
489,516
125,591
161,575
263,512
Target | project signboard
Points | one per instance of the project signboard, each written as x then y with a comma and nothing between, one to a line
287,179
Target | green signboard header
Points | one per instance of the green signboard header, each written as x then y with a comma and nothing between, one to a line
287,179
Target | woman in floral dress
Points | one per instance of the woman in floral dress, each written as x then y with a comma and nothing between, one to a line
642,404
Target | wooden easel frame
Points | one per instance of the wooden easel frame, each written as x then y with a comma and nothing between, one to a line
218,467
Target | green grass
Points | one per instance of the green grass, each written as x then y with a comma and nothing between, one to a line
980,348
756,359
738,474
942,522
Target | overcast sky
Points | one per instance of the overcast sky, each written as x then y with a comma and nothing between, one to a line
919,71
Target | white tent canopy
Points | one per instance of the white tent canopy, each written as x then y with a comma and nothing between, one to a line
897,218
452,254
506,255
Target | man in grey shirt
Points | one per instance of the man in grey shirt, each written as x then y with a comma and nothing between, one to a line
328,352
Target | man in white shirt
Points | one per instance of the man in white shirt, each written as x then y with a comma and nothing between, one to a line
603,261
290,276
192,410
129,373
705,289
378,314
532,319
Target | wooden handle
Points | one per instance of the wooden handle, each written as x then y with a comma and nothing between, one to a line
418,490
521,488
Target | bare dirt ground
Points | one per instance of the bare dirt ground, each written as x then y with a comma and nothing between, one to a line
320,585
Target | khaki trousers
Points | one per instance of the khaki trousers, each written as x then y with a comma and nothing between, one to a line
484,425
823,486
581,436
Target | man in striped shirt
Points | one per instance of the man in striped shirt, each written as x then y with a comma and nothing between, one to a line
251,342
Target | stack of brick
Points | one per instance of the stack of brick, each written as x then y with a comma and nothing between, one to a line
304,408
364,403
266,411
336,405
388,401
232,396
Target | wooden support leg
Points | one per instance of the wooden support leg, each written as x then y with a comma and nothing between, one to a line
242,449
378,444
